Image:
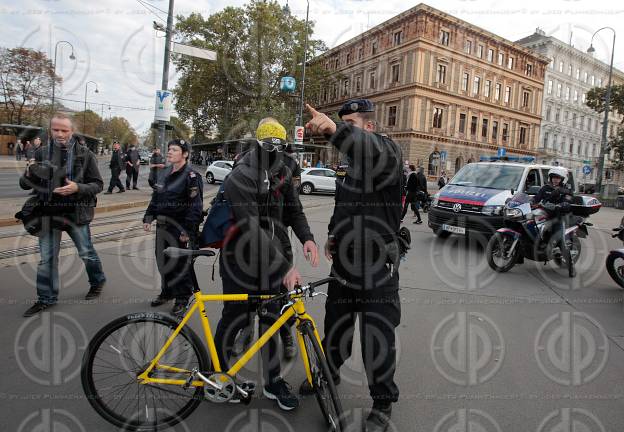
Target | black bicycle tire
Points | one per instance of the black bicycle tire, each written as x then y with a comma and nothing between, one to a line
89,356
308,332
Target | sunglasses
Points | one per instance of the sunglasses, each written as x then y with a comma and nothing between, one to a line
274,145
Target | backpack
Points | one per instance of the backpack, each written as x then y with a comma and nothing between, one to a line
219,225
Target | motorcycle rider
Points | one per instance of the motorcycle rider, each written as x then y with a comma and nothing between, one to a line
556,199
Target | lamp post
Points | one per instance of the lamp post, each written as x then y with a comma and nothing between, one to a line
71,57
84,113
303,70
605,123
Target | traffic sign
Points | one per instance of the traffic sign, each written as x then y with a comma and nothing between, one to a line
501,152
587,169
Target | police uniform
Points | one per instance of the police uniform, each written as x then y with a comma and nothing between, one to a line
363,236
176,206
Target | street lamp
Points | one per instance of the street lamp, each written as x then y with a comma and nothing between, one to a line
71,57
84,113
605,123
305,60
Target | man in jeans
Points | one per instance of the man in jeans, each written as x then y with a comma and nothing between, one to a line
74,180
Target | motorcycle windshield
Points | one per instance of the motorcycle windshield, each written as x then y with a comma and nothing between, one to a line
518,200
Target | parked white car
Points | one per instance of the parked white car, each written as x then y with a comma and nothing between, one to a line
217,171
317,180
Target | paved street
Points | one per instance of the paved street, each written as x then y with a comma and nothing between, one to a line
478,351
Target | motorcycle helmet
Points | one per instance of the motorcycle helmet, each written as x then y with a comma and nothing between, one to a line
560,172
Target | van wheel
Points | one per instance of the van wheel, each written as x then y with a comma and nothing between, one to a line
442,234
210,178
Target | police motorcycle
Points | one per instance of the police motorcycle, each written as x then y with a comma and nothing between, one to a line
615,259
528,232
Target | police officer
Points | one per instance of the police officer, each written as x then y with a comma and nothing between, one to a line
556,199
116,164
363,246
157,163
176,205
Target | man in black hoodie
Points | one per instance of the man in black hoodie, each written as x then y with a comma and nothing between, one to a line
258,259
73,178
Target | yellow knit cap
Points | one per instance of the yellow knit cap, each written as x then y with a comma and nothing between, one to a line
270,130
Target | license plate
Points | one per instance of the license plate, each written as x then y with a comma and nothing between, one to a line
454,229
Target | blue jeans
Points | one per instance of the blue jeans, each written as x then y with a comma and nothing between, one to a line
47,270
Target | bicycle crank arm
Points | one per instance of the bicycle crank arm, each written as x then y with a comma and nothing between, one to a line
216,386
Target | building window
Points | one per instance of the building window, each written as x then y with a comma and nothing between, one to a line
484,128
571,145
441,74
507,94
546,139
555,141
570,70
558,90
528,71
548,112
522,135
444,37
473,125
578,74
552,63
567,94
557,114
583,97
325,94
395,73
476,86
437,117
480,51
585,77
348,58
575,95
392,116
501,58
462,123
550,87
335,91
345,87
497,92
372,81
510,62
468,47
526,98
398,37
561,66
592,80
505,132
494,130
490,56
374,47
465,79
360,53
358,84
487,88
599,82
574,120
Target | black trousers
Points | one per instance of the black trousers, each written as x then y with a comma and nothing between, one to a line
132,172
411,198
234,317
175,273
114,181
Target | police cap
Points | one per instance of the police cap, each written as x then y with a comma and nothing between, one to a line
355,106
183,144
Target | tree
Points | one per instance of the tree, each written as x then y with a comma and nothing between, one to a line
88,122
118,129
25,84
256,45
180,131
596,99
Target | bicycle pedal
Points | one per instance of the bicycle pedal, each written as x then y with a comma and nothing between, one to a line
250,388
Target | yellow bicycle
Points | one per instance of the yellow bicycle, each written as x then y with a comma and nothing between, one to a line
147,370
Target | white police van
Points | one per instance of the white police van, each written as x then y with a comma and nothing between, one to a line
473,201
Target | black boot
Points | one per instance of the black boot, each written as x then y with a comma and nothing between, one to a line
379,418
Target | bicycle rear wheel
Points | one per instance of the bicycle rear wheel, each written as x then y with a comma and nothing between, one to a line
322,381
121,351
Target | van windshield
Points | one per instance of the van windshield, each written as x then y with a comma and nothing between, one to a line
489,176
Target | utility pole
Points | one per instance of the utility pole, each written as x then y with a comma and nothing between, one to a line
165,76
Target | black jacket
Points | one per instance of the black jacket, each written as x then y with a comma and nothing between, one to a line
264,201
178,197
117,161
79,207
133,157
560,196
371,188
416,182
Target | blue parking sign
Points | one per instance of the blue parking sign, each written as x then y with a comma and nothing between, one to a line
587,169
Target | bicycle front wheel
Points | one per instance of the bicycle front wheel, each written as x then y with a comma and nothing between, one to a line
121,351
322,381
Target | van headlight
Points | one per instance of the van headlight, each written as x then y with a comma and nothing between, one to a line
434,200
513,213
492,210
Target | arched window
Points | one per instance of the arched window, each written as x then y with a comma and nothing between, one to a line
459,162
434,164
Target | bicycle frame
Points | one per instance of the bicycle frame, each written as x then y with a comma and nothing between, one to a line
296,309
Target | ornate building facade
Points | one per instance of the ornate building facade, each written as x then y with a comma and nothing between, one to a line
447,91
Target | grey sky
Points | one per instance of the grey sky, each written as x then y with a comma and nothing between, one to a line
116,46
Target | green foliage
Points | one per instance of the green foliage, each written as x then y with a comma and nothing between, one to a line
256,45
596,99
617,144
